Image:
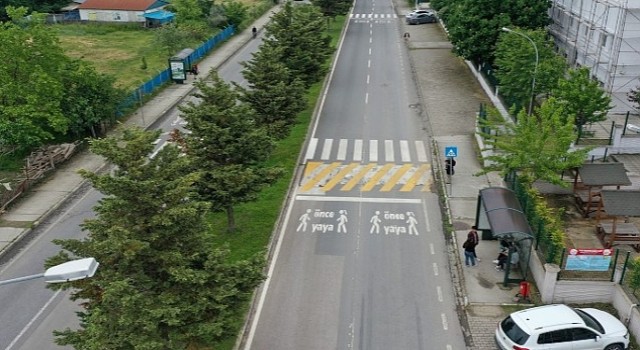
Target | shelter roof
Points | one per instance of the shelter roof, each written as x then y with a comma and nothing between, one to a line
604,174
504,213
159,15
124,5
621,203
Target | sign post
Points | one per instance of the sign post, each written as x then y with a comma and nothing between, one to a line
450,153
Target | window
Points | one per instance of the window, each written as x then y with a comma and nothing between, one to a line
515,333
590,321
582,334
559,336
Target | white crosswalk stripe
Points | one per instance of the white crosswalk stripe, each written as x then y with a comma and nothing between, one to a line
366,16
388,151
358,150
342,149
326,150
373,150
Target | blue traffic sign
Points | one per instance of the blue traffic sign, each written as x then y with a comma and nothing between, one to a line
451,151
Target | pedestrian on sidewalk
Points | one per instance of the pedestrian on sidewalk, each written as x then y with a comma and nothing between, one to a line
473,235
469,252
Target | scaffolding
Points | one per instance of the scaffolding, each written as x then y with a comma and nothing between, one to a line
603,35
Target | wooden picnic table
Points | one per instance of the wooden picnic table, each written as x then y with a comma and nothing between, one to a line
624,233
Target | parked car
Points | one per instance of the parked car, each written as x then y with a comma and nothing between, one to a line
422,18
561,327
417,12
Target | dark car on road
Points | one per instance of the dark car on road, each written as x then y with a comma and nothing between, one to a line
421,18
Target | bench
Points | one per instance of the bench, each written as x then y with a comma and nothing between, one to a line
586,204
626,233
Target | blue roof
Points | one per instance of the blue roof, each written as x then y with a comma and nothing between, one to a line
161,15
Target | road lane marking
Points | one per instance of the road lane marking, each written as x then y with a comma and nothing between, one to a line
432,249
413,181
311,149
310,167
301,197
388,151
435,269
439,291
373,151
376,177
334,181
357,151
445,324
354,181
32,320
397,175
326,149
404,151
342,149
422,154
326,171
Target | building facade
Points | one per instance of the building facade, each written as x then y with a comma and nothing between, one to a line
119,10
603,35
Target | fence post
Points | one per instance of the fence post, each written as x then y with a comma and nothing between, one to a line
549,282
624,267
615,261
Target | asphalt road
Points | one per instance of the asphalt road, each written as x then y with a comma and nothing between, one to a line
30,312
361,260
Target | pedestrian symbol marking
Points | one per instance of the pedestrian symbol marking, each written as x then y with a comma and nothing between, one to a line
451,151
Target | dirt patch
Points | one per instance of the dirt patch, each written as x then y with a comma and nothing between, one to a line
581,232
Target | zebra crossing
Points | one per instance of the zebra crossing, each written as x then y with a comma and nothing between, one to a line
320,177
373,16
365,165
358,150
379,18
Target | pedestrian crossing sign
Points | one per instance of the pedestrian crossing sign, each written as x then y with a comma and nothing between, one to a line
451,151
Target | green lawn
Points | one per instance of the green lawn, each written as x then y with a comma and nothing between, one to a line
116,50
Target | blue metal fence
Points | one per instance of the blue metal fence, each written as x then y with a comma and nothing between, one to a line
137,96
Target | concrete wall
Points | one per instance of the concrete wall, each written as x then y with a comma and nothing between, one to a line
112,16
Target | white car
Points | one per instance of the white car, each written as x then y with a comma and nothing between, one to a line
560,327
417,12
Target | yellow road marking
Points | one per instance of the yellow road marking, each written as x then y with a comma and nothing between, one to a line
354,181
414,179
326,171
427,185
311,166
374,180
396,177
339,176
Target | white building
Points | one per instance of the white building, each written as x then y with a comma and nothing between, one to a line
119,10
603,35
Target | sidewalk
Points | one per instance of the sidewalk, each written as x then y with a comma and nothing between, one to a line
450,97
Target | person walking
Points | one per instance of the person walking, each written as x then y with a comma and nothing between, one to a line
469,252
473,234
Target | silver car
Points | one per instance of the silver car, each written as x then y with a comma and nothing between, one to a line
422,18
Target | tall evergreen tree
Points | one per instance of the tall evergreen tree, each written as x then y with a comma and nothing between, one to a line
274,93
227,146
300,32
161,283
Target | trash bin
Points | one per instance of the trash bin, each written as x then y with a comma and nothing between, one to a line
180,64
524,294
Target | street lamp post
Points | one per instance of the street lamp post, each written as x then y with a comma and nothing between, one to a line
535,67
70,271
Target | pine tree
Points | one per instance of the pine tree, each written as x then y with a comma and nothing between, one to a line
227,146
274,93
161,283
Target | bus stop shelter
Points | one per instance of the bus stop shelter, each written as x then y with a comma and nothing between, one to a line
500,216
